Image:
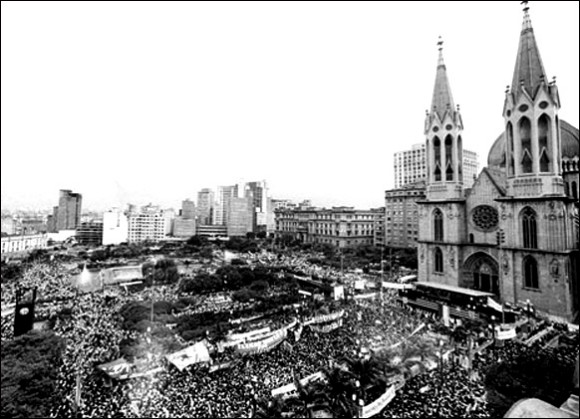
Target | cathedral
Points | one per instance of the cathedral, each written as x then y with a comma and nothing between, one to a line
514,233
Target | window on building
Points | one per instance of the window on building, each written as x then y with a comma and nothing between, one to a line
437,155
529,228
525,129
530,270
449,157
438,224
438,257
544,142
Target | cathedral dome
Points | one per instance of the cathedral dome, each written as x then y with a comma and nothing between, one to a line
570,141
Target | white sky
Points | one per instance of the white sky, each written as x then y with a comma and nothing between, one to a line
139,102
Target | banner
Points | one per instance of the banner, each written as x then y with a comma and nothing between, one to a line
505,334
264,345
290,389
397,286
365,296
247,335
221,366
379,404
307,293
247,319
326,328
188,356
493,304
359,285
325,318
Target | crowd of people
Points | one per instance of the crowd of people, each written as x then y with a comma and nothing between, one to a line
93,333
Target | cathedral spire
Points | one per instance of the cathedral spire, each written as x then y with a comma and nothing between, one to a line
529,70
442,97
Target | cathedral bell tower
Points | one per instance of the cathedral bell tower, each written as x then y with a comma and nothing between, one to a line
532,127
443,128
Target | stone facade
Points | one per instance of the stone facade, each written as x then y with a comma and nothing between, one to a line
515,232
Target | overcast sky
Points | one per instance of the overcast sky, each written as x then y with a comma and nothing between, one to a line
150,102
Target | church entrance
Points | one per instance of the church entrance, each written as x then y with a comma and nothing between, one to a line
481,272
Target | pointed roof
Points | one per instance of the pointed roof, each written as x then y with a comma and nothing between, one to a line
442,97
529,69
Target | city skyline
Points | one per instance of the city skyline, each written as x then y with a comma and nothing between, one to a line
142,104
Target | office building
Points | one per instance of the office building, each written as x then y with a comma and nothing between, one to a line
401,228
67,215
150,224
205,206
224,195
241,216
342,227
90,233
410,166
115,227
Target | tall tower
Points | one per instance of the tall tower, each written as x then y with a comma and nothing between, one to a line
532,127
443,128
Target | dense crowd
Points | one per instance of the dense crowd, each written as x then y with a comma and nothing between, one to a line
92,328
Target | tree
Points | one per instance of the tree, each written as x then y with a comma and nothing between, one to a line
274,408
311,395
30,365
340,389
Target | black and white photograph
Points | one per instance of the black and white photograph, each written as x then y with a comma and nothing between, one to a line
279,209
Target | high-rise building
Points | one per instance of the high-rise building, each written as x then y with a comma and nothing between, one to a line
259,195
410,166
67,215
184,227
222,205
115,227
149,224
240,219
90,233
188,209
205,206
513,234
402,215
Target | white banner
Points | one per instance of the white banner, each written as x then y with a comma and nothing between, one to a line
289,389
222,366
307,293
505,334
325,318
365,296
379,404
359,285
326,328
264,345
247,335
397,286
190,355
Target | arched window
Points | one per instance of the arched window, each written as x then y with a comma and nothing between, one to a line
509,130
544,142
529,228
438,224
525,128
438,256
449,157
574,190
471,238
437,156
530,272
